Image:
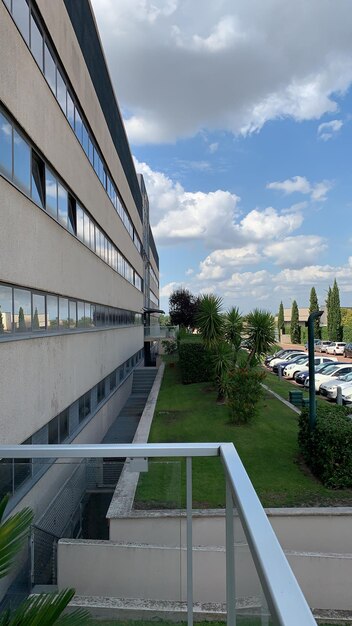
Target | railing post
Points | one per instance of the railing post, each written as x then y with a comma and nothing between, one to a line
230,559
189,542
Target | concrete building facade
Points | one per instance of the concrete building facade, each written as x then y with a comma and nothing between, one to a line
78,262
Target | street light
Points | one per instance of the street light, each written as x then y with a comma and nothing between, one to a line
312,402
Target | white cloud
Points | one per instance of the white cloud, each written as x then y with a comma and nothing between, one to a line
296,251
229,66
327,130
299,184
267,224
220,262
213,147
189,272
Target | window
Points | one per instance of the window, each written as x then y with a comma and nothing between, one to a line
70,110
71,224
62,205
87,319
38,180
37,43
80,314
51,192
72,313
5,309
78,126
90,151
61,91
23,310
84,406
52,311
63,313
53,431
50,69
84,139
79,222
63,419
92,236
38,312
86,229
22,471
101,391
20,11
112,381
5,146
21,163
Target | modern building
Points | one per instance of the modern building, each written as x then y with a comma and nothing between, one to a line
78,262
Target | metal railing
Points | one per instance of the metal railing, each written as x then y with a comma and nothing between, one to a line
283,595
160,332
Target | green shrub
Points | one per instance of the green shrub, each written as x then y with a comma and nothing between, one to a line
243,390
326,449
170,346
324,333
194,362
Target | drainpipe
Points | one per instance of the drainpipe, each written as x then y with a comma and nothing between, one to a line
312,401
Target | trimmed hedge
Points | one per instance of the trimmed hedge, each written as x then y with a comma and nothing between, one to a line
194,362
327,450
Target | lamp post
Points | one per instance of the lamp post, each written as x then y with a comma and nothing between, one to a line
312,402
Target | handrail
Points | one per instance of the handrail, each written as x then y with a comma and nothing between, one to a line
112,450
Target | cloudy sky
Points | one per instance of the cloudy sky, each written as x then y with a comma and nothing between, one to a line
239,118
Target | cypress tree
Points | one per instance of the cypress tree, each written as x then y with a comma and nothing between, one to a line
36,320
335,314
21,320
1,323
314,306
295,327
280,319
328,310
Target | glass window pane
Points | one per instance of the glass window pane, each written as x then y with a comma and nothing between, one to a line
79,218
112,380
85,139
51,193
5,309
96,161
78,125
50,69
53,431
38,180
90,150
63,425
38,312
8,4
72,313
93,315
86,222
63,313
5,146
71,224
80,314
61,91
92,236
87,319
23,310
37,43
84,406
52,312
21,163
70,110
62,205
20,12
22,471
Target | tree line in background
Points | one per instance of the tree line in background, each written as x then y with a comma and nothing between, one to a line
339,319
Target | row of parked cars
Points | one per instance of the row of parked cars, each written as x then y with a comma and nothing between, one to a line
329,373
333,347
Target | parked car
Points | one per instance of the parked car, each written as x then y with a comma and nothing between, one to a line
321,347
302,364
280,354
301,377
347,395
336,347
337,369
348,350
287,357
317,342
287,361
329,389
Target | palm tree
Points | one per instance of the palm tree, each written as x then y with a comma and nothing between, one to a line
233,327
221,359
209,321
260,329
39,609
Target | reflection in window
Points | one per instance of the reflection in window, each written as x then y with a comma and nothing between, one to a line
78,125
23,310
85,140
80,314
70,111
52,312
5,309
5,146
21,163
51,193
62,205
61,91
71,215
38,180
63,313
90,151
84,406
72,314
50,69
87,318
20,11
37,43
38,312
86,229
79,222
92,236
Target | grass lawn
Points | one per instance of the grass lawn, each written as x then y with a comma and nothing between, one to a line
283,386
241,621
268,449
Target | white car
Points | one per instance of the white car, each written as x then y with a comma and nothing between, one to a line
288,357
336,370
329,389
347,394
322,346
302,364
336,347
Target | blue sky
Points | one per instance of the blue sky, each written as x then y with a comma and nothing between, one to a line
239,118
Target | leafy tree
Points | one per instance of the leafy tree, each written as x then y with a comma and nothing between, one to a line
260,329
314,306
40,609
183,308
280,319
295,327
1,323
21,320
335,314
209,320
346,320
36,320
